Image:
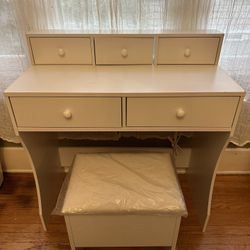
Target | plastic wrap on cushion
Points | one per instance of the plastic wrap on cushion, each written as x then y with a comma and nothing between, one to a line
129,183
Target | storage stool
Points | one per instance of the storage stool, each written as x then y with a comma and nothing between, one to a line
122,200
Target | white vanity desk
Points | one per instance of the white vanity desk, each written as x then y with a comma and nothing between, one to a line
51,98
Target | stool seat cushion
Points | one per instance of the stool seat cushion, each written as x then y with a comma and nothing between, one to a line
123,183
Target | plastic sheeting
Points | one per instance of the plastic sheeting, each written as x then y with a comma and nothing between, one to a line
117,183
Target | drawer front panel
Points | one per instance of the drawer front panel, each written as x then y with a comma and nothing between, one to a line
187,50
58,50
67,112
127,50
122,230
217,112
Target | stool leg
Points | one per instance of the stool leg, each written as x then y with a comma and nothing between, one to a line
71,241
176,232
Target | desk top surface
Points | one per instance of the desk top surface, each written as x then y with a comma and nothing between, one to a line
72,80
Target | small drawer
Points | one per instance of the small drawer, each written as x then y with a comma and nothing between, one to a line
201,112
59,50
182,50
124,50
58,112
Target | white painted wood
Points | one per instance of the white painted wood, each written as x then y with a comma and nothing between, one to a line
78,33
207,149
1,174
182,111
58,80
122,129
175,235
92,43
70,233
219,49
12,115
31,57
61,50
67,112
236,116
188,50
122,230
124,111
241,172
156,42
124,50
44,159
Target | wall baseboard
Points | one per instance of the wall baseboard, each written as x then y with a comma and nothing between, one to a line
14,160
234,160
1,174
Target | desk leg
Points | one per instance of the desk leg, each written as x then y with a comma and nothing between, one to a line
206,153
48,173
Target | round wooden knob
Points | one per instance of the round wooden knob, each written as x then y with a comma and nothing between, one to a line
61,52
67,114
187,53
180,113
124,53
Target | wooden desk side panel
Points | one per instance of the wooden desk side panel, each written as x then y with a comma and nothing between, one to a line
44,157
12,115
236,115
206,153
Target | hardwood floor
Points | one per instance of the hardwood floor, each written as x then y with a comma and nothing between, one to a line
229,224
228,229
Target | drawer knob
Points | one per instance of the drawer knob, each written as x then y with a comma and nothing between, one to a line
67,114
180,113
124,53
61,52
187,53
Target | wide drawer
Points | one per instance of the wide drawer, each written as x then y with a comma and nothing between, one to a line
124,50
182,50
201,112
122,230
67,112
61,50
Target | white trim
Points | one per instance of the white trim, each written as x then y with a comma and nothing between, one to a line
183,171
22,171
1,174
232,172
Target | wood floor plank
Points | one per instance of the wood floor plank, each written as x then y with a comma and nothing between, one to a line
31,246
228,228
31,228
215,247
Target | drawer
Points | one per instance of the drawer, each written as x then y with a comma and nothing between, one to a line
196,50
59,50
67,112
121,230
124,50
203,112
